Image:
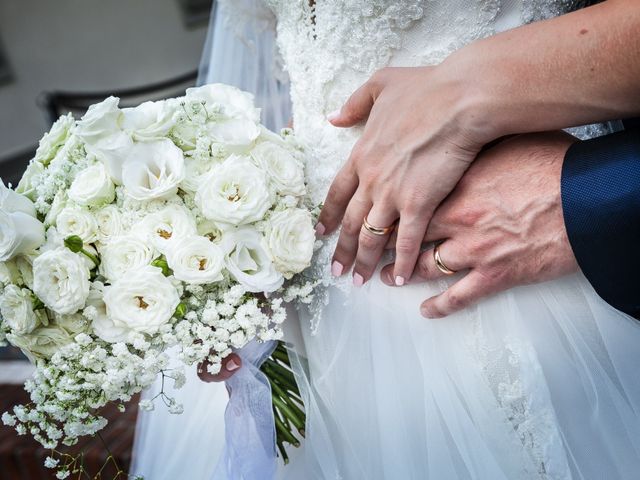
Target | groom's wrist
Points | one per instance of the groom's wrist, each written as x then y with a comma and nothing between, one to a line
601,207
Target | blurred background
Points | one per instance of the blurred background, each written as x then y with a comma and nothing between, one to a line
63,55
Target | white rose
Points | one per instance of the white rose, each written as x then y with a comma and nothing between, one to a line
25,268
235,102
149,120
290,238
141,302
235,192
16,306
61,280
101,121
153,170
211,230
58,204
236,134
285,171
123,254
42,343
54,139
195,172
19,233
161,227
76,221
32,176
74,323
196,260
11,201
249,262
9,272
92,186
108,223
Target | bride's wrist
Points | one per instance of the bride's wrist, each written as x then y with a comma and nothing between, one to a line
478,110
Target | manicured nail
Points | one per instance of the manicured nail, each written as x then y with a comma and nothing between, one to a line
399,281
336,269
358,280
320,229
232,366
426,312
333,115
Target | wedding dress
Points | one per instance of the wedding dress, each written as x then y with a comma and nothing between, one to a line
539,382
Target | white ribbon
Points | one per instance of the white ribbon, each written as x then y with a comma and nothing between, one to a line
250,450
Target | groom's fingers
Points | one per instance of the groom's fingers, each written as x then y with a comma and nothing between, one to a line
230,365
451,253
460,295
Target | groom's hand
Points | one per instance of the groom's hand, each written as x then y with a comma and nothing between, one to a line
502,226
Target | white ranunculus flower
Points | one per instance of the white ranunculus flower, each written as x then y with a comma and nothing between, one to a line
122,254
211,230
290,238
161,227
248,261
236,134
236,103
54,139
153,170
76,221
11,201
61,280
140,303
19,233
108,223
32,176
16,305
93,187
285,171
195,171
195,260
149,120
235,192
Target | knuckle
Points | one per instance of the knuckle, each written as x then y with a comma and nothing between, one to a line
350,226
368,242
456,302
406,245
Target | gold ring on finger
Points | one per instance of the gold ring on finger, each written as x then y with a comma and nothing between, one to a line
379,231
440,265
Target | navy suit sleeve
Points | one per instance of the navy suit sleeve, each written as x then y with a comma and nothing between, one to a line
601,205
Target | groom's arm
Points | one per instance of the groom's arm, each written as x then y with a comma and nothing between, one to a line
601,205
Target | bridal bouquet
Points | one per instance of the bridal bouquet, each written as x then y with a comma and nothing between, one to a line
178,223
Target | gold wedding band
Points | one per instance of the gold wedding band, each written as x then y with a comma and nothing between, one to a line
380,231
440,265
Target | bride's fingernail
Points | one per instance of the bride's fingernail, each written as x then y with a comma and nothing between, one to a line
336,269
232,366
399,281
358,280
333,115
320,229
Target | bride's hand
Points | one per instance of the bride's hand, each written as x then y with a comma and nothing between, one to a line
419,139
503,224
230,365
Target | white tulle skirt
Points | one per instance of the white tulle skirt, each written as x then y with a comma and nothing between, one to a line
539,382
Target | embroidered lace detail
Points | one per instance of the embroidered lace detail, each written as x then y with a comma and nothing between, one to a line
519,386
534,10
